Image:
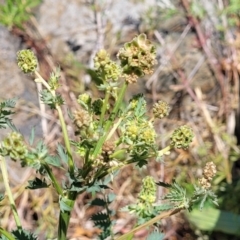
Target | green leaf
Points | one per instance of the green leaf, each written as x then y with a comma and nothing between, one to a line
111,197
163,184
5,112
77,187
62,153
66,205
211,219
98,202
23,235
100,217
53,160
47,98
37,183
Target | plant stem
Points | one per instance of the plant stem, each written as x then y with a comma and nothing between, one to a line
166,150
62,122
53,179
66,141
7,234
43,81
110,120
150,222
64,218
3,167
104,107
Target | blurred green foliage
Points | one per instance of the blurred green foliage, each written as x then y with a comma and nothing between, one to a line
16,12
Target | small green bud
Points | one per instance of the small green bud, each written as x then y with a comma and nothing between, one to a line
182,137
27,61
160,109
14,146
84,100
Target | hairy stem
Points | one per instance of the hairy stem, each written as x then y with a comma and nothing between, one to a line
53,179
6,234
3,167
64,217
149,223
104,107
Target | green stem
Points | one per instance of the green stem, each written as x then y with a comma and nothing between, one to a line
9,192
62,122
109,215
115,126
104,107
110,120
149,223
53,179
43,81
7,234
164,151
66,141
64,218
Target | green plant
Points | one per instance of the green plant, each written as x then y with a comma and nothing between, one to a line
16,12
101,152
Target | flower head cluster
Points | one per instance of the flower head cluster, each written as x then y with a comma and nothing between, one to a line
138,58
148,191
81,118
182,137
106,68
138,104
209,172
144,209
137,132
27,61
14,146
160,109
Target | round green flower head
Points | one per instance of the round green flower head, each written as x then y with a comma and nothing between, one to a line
148,191
27,61
105,67
160,109
137,57
14,146
182,137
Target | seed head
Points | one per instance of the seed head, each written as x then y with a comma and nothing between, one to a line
27,61
81,118
106,68
14,146
182,137
160,109
209,171
148,192
138,58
